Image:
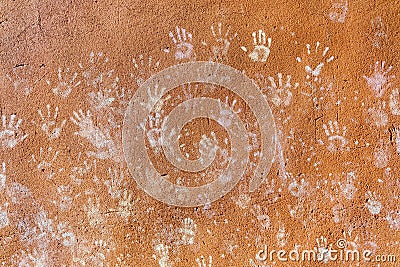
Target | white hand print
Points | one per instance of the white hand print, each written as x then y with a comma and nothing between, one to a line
115,183
227,113
298,188
95,74
394,102
163,256
188,231
67,81
378,115
208,146
10,136
154,133
101,100
93,212
379,82
126,205
3,176
106,148
20,78
261,49
348,189
45,161
203,263
184,49
381,154
338,11
4,221
49,123
280,93
222,42
154,95
315,64
262,216
336,137
373,202
379,36
64,202
143,70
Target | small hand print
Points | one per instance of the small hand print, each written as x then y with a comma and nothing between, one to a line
261,48
314,63
49,123
10,136
336,136
379,82
184,49
67,82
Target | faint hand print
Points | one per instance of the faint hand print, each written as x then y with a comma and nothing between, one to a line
262,216
49,122
115,183
4,220
184,49
67,82
223,41
379,36
45,161
126,205
143,69
97,74
381,154
348,189
336,137
338,11
11,135
162,255
101,100
20,77
314,62
394,102
202,262
65,200
379,82
373,202
377,115
3,176
188,231
261,48
279,92
93,212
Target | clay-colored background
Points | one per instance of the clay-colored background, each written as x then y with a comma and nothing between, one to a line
67,199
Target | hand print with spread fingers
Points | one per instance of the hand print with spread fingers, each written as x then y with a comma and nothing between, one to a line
49,123
202,262
280,93
188,231
115,183
11,135
378,115
99,137
261,48
20,77
67,82
45,161
314,62
336,137
380,80
223,41
379,35
97,72
143,69
184,49
101,99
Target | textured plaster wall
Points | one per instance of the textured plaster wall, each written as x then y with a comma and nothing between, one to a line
328,69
